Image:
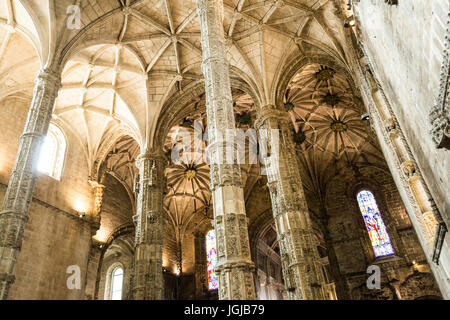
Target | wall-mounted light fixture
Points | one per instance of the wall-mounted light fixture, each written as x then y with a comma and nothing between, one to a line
80,208
350,22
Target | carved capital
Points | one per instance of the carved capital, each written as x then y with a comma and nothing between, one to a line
268,114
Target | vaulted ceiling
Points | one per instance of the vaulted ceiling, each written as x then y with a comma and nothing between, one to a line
122,43
188,192
129,57
330,132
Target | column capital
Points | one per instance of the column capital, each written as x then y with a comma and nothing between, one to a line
95,184
152,154
48,79
270,112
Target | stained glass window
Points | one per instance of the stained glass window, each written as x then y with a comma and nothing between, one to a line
379,237
213,283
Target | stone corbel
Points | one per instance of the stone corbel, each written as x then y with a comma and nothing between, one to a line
440,129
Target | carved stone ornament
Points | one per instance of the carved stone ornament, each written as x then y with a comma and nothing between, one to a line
439,114
440,129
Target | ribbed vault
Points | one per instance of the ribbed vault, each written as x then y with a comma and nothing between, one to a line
188,193
330,133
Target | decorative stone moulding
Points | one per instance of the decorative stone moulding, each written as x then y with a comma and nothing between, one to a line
440,130
439,114
288,106
339,126
331,99
325,74
190,174
299,137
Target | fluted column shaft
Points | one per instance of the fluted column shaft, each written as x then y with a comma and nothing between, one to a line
148,276
18,197
234,266
302,271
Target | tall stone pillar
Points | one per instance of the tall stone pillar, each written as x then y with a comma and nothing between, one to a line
18,197
148,277
341,287
234,266
302,271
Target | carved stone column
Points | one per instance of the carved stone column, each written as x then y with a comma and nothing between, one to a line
234,266
341,287
148,276
302,271
200,264
18,197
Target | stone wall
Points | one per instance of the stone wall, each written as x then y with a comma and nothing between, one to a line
405,43
55,237
406,56
352,244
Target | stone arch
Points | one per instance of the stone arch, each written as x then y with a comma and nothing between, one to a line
35,32
293,65
78,41
108,141
125,231
69,54
108,283
266,258
177,107
18,68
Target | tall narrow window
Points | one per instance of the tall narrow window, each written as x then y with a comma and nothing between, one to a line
52,153
213,283
116,284
379,237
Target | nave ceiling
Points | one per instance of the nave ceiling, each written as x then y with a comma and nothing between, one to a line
130,57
